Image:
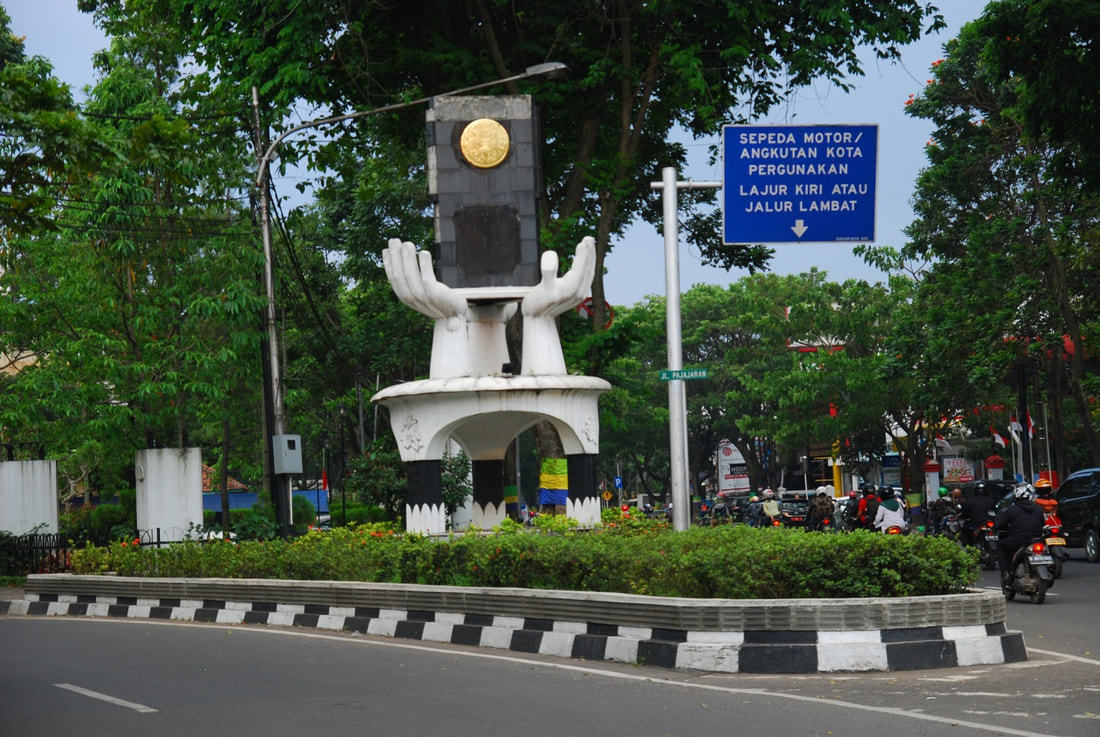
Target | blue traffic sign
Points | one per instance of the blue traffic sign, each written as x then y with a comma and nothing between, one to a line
799,183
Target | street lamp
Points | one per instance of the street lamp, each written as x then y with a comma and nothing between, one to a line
547,70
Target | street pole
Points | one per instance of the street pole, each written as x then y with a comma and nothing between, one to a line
280,484
677,393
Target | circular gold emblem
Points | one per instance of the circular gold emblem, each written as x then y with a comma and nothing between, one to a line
484,143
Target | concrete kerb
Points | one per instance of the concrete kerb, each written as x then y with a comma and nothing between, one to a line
745,636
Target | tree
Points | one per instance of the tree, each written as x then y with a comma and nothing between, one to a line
792,361
1047,50
378,478
638,71
142,308
1012,238
44,143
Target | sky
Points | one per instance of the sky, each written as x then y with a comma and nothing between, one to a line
56,30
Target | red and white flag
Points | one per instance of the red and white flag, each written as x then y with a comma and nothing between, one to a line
1030,425
997,437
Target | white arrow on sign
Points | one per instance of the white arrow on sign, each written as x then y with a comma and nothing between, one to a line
799,228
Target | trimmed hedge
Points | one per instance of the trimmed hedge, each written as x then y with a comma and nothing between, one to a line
734,562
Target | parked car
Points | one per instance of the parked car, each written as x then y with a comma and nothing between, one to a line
1079,508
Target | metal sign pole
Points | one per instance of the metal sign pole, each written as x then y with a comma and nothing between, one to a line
677,395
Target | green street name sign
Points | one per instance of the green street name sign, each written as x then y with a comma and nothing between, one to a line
684,374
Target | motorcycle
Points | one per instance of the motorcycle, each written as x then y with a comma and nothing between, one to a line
951,526
1052,532
986,539
1031,573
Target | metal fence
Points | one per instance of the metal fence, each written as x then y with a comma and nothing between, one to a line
33,553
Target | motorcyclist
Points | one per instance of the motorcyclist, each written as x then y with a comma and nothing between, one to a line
1019,523
851,510
770,506
819,509
868,506
904,504
755,514
975,511
1045,498
939,508
890,512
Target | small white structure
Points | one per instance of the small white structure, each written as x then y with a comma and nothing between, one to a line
28,497
169,492
471,398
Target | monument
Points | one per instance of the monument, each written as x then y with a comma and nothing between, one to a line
483,172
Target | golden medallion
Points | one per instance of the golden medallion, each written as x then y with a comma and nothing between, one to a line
484,143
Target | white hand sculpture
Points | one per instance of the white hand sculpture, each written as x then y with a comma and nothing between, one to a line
468,340
552,296
414,282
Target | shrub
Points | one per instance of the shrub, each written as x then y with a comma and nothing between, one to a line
733,562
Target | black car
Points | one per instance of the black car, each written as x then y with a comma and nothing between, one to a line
1079,508
996,488
793,507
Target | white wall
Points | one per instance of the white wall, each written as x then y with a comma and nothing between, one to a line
169,491
28,496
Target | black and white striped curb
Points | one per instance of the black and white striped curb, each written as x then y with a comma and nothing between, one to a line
729,651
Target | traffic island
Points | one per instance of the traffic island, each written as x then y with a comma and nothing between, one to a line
717,635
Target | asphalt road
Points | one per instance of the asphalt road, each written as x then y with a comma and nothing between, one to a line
84,677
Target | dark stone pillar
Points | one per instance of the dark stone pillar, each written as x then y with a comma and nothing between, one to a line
584,497
424,510
488,492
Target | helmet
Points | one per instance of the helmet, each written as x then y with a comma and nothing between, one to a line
944,492
1024,491
754,498
852,494
979,488
867,489
821,491
768,493
897,493
1043,483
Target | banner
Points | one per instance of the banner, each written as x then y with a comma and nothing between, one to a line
956,470
733,472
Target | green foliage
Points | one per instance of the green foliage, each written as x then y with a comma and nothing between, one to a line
734,562
455,480
44,144
107,521
304,512
1002,215
378,478
359,514
257,523
757,386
